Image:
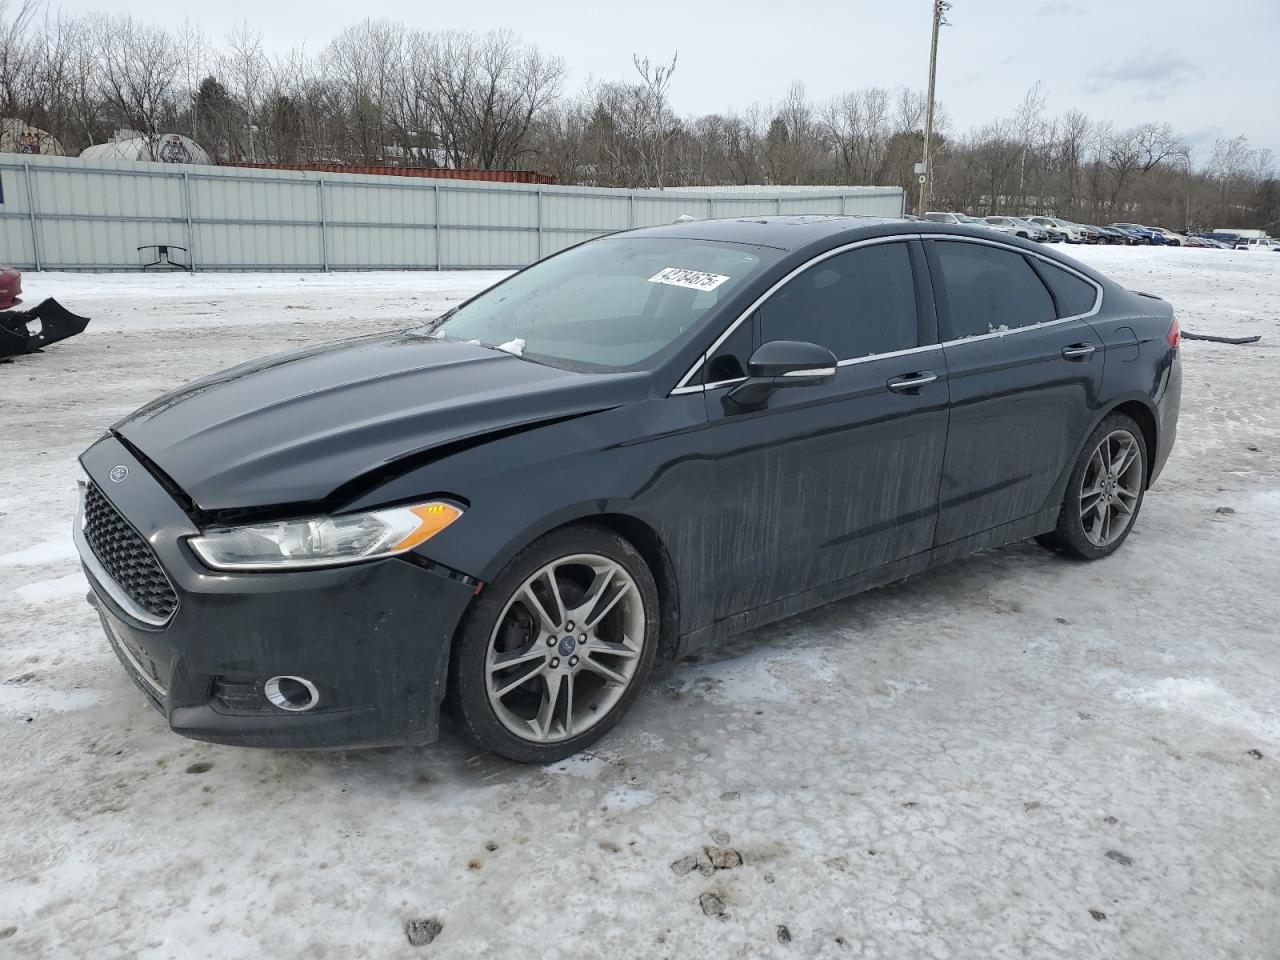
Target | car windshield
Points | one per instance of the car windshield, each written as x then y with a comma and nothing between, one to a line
607,305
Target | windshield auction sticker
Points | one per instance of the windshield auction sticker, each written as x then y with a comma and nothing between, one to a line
693,279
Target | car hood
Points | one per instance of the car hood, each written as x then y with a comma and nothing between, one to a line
294,428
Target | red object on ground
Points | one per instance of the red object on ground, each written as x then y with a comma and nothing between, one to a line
10,287
493,176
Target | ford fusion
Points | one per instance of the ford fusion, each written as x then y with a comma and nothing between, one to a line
631,449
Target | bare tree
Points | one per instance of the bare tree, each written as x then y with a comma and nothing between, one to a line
382,92
138,72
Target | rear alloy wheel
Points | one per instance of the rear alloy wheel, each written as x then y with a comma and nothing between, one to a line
557,647
1104,493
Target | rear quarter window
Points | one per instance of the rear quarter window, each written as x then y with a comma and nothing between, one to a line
1074,296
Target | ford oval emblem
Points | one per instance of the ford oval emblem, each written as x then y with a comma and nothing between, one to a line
118,473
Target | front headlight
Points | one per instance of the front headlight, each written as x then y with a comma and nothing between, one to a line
324,541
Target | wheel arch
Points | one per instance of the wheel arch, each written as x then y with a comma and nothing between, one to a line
1143,414
1137,407
637,531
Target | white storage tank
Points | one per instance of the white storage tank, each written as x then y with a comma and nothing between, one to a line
162,147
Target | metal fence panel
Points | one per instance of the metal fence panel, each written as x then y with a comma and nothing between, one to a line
70,214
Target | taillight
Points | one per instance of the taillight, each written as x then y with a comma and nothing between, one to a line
1174,335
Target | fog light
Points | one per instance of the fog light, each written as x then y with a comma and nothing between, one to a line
294,694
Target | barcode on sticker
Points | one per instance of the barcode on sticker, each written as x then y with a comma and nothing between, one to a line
693,279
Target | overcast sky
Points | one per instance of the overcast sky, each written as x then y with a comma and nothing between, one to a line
1206,66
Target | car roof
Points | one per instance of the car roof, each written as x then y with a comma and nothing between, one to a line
802,236
781,233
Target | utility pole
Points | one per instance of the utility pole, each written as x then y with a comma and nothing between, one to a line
940,8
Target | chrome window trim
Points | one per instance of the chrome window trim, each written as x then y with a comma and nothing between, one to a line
892,353
103,579
684,387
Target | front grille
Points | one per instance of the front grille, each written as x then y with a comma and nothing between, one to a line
126,557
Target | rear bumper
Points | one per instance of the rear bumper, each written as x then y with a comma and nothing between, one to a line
373,638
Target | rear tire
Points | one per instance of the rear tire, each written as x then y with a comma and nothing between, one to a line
544,665
1104,492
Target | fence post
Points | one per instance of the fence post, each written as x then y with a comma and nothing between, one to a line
186,206
31,215
711,208
324,233
538,200
631,211
778,201
435,221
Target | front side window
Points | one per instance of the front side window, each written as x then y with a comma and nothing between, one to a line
610,304
857,303
729,360
991,289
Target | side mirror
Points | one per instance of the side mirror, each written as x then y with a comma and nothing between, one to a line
783,363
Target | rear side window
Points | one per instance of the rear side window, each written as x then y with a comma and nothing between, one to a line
1074,296
991,289
858,303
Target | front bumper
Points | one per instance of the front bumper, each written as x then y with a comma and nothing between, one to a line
374,638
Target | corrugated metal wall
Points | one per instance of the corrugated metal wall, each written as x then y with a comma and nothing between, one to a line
62,213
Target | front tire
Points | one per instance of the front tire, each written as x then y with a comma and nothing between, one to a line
1104,492
557,647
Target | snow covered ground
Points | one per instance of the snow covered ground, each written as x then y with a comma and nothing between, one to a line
1013,756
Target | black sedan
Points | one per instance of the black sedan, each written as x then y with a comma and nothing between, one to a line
634,448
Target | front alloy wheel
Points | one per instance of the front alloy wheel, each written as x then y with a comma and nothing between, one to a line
565,648
557,647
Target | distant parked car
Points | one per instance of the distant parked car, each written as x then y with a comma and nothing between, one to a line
1071,232
1146,233
959,219
1171,238
10,287
1207,243
1055,235
1227,240
1091,234
1112,235
1136,237
1036,232
1018,228
1259,245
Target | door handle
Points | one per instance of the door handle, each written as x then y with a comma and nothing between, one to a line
1079,351
912,381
